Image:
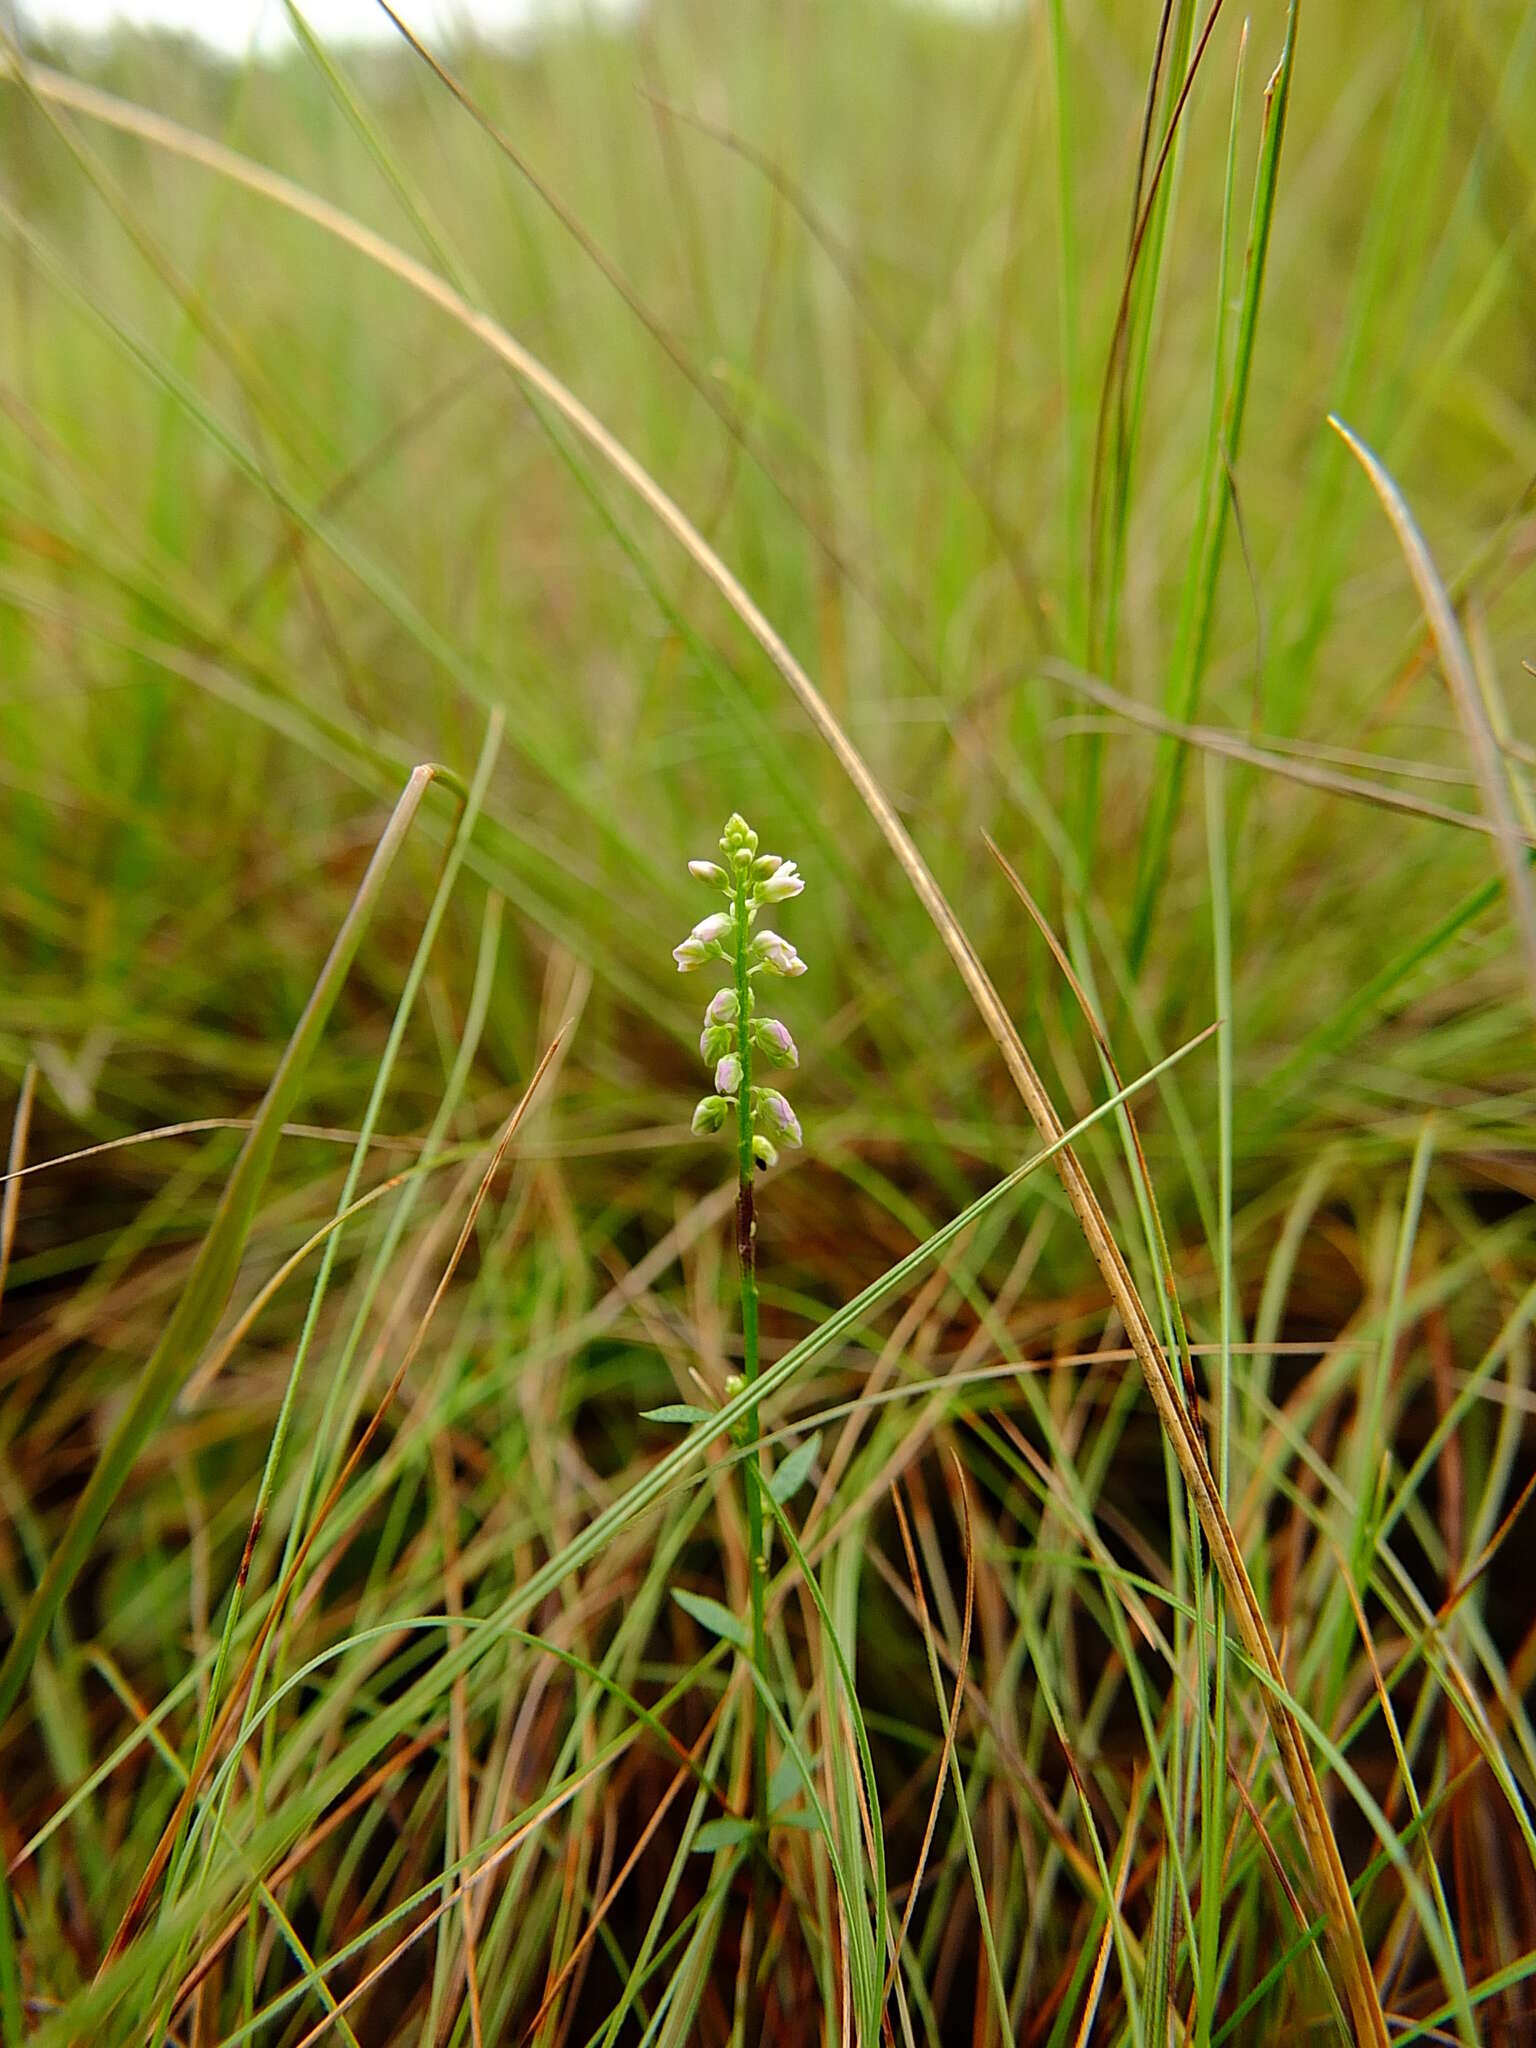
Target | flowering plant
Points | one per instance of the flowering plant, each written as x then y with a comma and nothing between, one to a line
733,1029
735,1033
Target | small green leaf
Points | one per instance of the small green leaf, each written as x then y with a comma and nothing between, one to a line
676,1411
785,1781
795,1470
724,1833
711,1615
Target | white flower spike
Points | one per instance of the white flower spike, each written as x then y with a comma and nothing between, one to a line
762,1117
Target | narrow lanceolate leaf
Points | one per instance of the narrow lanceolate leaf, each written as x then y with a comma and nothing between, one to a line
727,1832
201,1302
675,1411
795,1470
709,1614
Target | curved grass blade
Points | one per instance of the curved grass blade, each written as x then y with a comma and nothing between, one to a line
1465,695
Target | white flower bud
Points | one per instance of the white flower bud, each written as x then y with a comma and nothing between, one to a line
764,1151
773,1038
709,871
710,1115
784,882
773,1111
776,954
765,865
728,1075
722,1007
703,942
738,837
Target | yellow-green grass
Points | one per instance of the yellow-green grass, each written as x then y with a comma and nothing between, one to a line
900,518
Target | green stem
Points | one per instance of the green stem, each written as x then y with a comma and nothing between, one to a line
746,1248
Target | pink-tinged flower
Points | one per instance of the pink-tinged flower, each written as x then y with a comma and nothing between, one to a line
776,954
774,1111
785,881
710,1115
702,943
709,871
722,1007
774,1039
728,1075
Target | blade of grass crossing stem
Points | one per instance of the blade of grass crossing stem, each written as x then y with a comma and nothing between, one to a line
469,811
1184,680
1248,1617
1466,698
202,1300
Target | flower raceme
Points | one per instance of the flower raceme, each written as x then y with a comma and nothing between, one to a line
748,880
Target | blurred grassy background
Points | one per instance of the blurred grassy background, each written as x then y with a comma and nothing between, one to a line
846,280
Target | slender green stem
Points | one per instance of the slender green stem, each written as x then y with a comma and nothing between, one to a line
746,1247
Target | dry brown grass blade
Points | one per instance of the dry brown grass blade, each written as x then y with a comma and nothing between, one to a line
1321,1846
1485,1557
195,1127
1106,1940
1311,774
